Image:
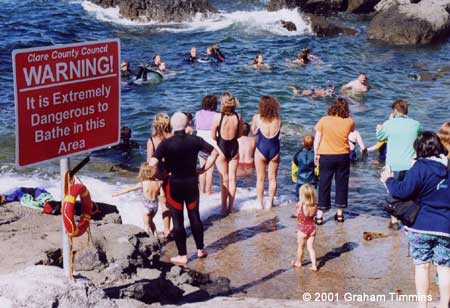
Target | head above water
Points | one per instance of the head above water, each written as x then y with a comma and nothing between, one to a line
339,108
161,126
229,103
308,141
193,52
428,144
400,107
124,66
307,195
444,135
259,60
269,108
162,66
209,102
125,133
157,60
178,121
362,78
245,129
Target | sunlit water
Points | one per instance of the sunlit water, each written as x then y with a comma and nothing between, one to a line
242,30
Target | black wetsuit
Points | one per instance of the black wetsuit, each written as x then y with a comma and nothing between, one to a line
229,148
126,75
180,156
192,59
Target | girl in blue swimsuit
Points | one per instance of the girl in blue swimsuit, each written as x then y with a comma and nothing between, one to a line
266,125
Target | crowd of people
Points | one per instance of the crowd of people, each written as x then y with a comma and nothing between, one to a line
184,149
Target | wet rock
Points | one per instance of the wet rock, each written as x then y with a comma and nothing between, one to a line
158,10
46,286
218,287
323,27
362,6
51,257
288,25
148,273
420,23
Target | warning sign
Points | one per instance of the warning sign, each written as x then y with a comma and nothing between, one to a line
67,100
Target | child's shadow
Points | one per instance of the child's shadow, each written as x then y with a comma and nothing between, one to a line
334,253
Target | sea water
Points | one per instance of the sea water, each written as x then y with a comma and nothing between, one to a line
242,30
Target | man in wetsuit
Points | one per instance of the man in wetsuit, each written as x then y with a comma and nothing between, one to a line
179,154
193,55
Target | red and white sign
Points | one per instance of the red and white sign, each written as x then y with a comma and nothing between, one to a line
67,100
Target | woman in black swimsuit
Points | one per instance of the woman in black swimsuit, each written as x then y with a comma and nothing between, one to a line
226,129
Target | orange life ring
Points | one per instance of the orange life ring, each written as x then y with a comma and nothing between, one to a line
68,209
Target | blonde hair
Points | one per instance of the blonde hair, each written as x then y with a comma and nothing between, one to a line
229,103
444,135
307,195
161,126
146,173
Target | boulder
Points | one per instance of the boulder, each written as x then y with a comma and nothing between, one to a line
46,286
323,27
362,6
158,10
318,7
420,23
288,25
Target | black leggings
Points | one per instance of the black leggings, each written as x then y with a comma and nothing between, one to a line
337,166
179,193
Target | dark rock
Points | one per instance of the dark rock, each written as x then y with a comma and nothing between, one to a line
321,26
288,25
158,10
318,7
218,287
51,257
421,23
362,6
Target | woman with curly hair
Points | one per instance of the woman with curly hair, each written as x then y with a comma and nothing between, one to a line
332,149
161,130
225,130
266,125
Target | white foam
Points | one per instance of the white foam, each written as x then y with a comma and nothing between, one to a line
253,22
129,205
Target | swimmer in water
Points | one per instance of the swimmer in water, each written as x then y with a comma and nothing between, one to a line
193,56
258,62
213,54
357,86
125,71
302,58
328,92
156,61
162,69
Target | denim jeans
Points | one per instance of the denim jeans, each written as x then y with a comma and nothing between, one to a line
337,166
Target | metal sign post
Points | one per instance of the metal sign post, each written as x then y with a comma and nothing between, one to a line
64,165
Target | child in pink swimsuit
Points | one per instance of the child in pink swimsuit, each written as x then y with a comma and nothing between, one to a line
306,229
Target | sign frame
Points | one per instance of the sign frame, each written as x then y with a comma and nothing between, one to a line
16,98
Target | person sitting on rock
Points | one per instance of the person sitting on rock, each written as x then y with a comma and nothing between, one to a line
125,71
193,56
258,62
151,188
357,86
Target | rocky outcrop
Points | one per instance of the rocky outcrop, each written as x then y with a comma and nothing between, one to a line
323,27
361,6
46,286
318,7
412,23
158,10
288,25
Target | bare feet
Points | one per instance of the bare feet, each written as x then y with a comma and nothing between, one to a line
296,264
314,268
201,253
179,260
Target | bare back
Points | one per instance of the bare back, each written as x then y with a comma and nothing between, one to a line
247,147
229,128
151,189
268,129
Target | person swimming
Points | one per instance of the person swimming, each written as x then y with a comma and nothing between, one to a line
357,86
125,71
302,58
213,53
192,56
156,61
327,92
258,62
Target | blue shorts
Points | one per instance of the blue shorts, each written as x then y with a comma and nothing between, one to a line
426,248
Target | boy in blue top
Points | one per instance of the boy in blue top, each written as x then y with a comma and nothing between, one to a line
400,132
303,164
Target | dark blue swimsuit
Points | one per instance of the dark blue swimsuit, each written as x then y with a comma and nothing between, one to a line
268,147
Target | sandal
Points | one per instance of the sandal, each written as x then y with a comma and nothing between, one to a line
339,218
318,220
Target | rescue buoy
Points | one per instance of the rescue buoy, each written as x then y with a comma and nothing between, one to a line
68,210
